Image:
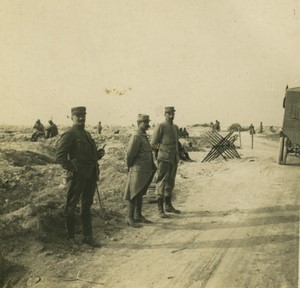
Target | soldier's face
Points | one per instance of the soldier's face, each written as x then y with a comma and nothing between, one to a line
170,115
79,120
144,125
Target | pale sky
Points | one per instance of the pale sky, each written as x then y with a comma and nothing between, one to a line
212,59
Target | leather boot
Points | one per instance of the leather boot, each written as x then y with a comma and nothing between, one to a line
86,220
70,225
161,212
89,240
169,207
130,218
139,218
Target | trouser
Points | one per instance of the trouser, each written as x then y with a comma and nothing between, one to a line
165,181
36,135
139,202
82,190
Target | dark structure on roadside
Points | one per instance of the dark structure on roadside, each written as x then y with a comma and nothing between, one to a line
221,146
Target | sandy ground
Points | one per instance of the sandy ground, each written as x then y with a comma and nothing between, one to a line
238,228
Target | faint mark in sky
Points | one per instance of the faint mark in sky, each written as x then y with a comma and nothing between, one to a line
117,92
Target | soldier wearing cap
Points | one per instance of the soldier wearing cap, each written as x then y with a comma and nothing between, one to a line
78,155
141,169
165,144
52,130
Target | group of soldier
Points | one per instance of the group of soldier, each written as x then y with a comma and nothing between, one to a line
215,126
183,133
78,154
41,131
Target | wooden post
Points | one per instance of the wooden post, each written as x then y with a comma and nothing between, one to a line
240,138
252,141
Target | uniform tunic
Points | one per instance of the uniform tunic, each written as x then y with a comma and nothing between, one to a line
140,163
77,154
165,140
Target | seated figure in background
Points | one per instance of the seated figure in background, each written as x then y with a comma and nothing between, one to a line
185,133
52,130
39,131
183,154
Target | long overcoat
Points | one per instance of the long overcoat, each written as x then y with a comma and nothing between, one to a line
140,165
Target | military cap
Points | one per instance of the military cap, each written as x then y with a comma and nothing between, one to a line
78,110
169,109
143,117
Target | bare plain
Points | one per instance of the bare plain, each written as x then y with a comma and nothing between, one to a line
238,227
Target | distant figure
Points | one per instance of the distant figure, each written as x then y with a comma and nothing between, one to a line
272,129
99,128
39,131
212,126
261,128
180,131
217,126
52,130
117,132
251,129
183,154
185,133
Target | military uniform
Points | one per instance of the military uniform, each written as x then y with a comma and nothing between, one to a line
165,143
251,129
51,131
39,131
99,127
77,154
140,164
141,170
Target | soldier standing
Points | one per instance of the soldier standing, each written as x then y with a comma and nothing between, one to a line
165,144
77,153
141,169
251,129
99,128
217,125
261,127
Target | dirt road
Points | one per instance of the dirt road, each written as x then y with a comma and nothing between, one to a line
238,228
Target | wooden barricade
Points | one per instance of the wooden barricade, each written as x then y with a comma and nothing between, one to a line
221,146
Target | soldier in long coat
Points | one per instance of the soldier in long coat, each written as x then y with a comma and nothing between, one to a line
165,143
78,155
141,169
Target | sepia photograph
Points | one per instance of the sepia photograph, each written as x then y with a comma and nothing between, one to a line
149,143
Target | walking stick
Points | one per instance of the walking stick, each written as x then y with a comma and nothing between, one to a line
99,199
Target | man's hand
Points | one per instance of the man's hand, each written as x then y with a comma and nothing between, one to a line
101,153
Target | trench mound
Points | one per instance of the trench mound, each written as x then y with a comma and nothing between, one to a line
32,199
